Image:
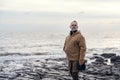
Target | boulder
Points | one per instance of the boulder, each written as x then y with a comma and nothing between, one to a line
108,55
115,59
100,59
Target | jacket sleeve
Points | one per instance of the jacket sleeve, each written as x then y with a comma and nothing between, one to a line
82,45
64,45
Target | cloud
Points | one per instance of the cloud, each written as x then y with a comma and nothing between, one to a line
66,6
56,14
53,19
56,18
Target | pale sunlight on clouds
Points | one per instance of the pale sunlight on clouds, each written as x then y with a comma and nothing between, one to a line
58,13
73,6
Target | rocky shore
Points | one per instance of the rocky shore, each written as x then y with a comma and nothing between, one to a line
104,67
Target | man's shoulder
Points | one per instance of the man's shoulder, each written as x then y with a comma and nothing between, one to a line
67,36
79,34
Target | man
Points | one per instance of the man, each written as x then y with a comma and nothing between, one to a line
75,49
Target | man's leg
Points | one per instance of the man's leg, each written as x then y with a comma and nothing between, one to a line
75,75
73,69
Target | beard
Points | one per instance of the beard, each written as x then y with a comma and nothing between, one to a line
73,29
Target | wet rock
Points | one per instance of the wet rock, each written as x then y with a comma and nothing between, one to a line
57,69
94,57
5,76
99,59
115,59
92,71
59,59
108,55
11,54
48,79
95,54
1,68
13,75
8,61
116,70
45,53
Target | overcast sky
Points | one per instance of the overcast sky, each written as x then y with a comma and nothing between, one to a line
55,15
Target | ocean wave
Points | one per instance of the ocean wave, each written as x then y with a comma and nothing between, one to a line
22,54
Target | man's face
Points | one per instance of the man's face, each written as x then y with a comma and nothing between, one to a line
73,26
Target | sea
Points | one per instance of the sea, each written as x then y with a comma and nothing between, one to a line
24,45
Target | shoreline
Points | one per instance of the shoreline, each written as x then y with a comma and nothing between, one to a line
54,67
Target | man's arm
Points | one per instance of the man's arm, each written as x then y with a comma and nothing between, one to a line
82,46
64,45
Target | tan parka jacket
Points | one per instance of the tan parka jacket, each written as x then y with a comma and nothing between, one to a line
75,47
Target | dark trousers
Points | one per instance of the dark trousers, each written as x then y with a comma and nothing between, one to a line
73,68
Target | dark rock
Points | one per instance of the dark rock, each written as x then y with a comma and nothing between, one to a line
45,53
11,54
108,55
13,76
59,59
100,59
106,60
95,54
94,57
116,69
115,59
57,69
8,61
5,76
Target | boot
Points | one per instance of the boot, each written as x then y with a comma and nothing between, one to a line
75,76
